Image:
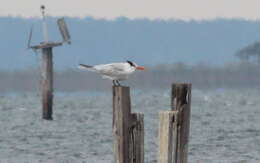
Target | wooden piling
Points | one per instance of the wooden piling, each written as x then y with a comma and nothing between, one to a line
128,130
47,64
121,123
137,138
47,83
181,102
168,136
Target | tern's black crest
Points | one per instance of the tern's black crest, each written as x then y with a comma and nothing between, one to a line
86,66
42,7
131,63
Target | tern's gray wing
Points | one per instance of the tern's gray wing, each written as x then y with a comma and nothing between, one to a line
118,68
111,69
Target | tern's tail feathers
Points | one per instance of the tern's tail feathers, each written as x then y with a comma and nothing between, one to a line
83,66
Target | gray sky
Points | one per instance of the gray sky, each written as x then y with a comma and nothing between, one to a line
110,9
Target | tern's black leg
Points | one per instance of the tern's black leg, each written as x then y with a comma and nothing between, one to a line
114,82
117,82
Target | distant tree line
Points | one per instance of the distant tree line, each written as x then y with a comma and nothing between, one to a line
98,41
202,76
249,52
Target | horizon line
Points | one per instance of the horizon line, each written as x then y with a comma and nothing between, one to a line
136,18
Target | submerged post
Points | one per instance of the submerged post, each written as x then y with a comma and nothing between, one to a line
181,102
127,128
47,83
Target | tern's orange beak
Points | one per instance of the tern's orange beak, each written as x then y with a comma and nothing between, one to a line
140,68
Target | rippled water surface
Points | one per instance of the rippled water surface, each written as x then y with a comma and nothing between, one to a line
225,127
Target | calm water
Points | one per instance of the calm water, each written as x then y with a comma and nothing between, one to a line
225,127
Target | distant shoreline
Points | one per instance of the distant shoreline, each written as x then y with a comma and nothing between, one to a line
156,77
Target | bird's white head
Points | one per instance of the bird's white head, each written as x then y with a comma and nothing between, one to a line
135,66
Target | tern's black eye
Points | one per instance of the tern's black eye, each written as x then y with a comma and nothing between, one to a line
131,63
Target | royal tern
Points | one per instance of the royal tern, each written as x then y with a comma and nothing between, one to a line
114,71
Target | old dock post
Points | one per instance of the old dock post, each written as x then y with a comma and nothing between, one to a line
174,126
47,63
47,83
128,129
137,138
167,136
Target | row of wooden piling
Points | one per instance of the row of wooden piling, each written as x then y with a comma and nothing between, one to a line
128,128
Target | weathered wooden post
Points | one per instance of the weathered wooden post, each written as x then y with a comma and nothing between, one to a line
174,126
47,83
127,128
137,138
168,136
121,119
47,63
181,102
